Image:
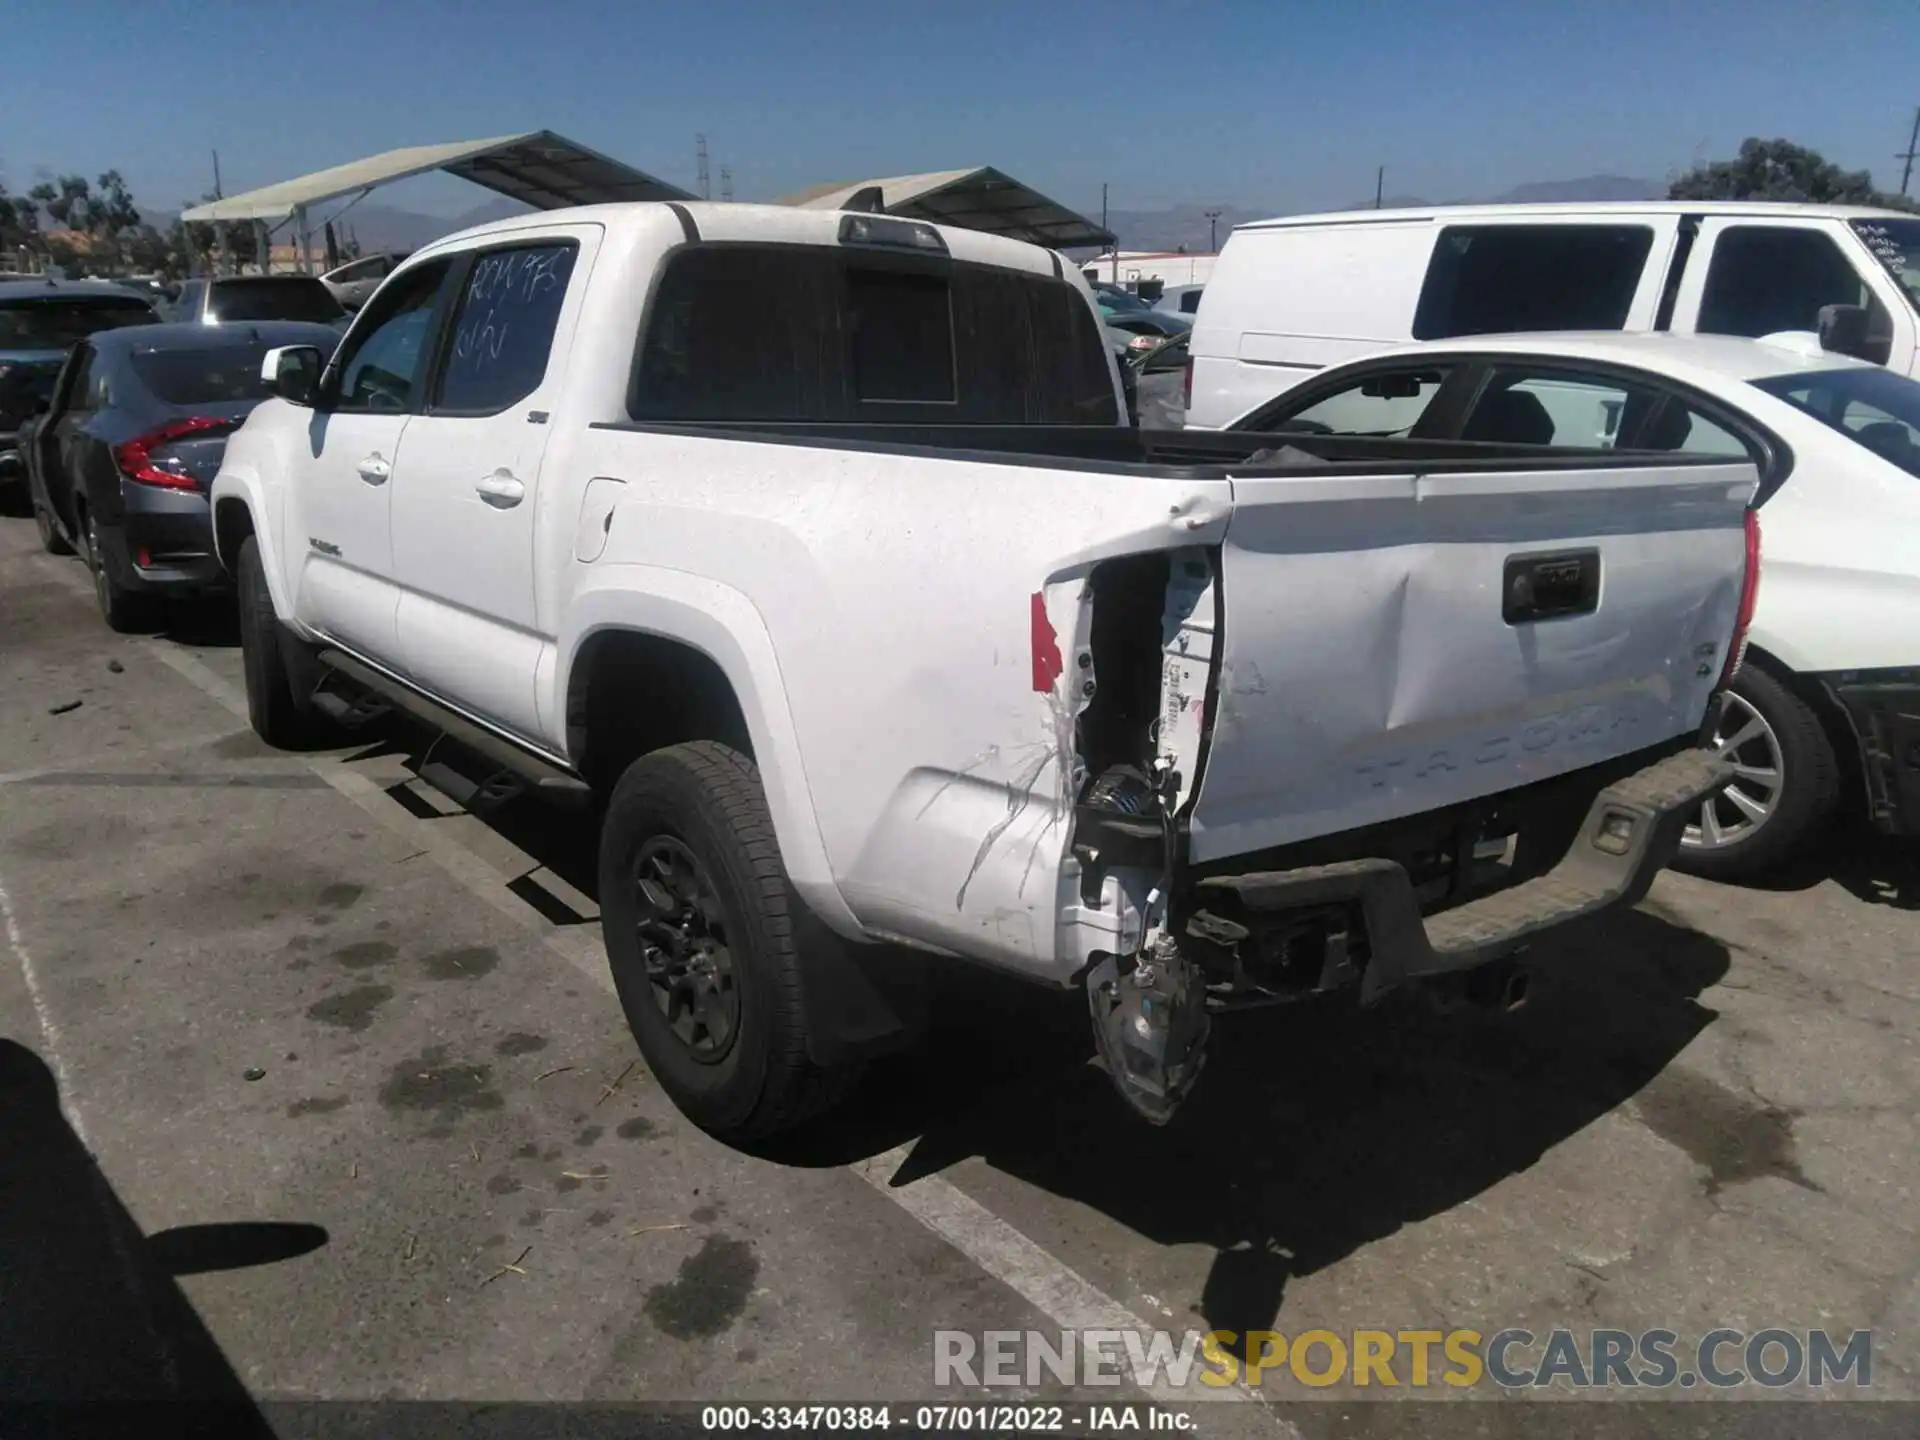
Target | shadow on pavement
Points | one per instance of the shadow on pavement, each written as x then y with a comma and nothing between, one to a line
1878,869
96,1336
1316,1129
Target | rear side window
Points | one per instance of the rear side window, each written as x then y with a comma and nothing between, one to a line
202,377
1495,279
1768,278
503,327
1570,410
274,298
811,334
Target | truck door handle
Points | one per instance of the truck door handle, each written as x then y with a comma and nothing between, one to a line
500,490
375,470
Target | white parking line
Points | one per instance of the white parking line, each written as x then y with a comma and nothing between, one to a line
1057,1291
49,1028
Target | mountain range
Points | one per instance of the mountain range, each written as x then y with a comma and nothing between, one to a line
385,227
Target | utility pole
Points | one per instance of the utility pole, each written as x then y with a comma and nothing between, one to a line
1913,145
700,153
1213,232
217,193
1379,186
1113,246
726,183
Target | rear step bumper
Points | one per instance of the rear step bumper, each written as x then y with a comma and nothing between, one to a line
1631,832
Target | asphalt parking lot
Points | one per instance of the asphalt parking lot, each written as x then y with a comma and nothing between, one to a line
349,1061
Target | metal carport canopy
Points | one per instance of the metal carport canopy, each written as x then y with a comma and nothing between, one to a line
545,170
978,199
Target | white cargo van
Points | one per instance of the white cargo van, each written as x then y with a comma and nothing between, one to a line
1289,296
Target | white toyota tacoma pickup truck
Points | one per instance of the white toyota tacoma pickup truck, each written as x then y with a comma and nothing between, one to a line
812,555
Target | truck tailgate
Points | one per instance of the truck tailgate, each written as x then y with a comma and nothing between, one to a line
1392,644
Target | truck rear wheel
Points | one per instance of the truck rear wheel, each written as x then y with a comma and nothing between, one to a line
699,922
1783,793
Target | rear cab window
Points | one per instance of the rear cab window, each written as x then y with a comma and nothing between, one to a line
1494,279
792,333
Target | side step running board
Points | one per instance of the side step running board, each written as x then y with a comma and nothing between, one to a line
1631,832
540,775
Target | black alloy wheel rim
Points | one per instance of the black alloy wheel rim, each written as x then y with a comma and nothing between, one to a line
683,948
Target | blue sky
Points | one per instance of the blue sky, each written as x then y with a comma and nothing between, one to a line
1280,105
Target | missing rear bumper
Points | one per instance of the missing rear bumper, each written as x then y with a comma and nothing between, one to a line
1631,831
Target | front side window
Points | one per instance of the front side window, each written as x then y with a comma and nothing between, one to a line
1764,279
1874,408
1896,245
1389,404
503,327
1500,279
384,360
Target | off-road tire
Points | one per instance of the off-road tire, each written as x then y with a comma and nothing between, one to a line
1809,787
279,714
709,798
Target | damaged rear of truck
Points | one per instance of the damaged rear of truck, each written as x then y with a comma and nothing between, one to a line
1200,723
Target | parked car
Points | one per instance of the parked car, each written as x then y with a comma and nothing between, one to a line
119,464
353,283
1295,294
1181,300
1828,701
1196,722
232,298
40,321
1160,385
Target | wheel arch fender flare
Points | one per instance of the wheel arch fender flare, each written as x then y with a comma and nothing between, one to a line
243,488
724,625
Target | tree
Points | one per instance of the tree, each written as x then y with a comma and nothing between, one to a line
102,220
1778,170
19,222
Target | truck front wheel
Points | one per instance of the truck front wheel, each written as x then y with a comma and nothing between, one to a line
701,925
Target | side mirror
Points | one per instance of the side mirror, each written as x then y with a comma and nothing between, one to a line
1843,330
292,372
